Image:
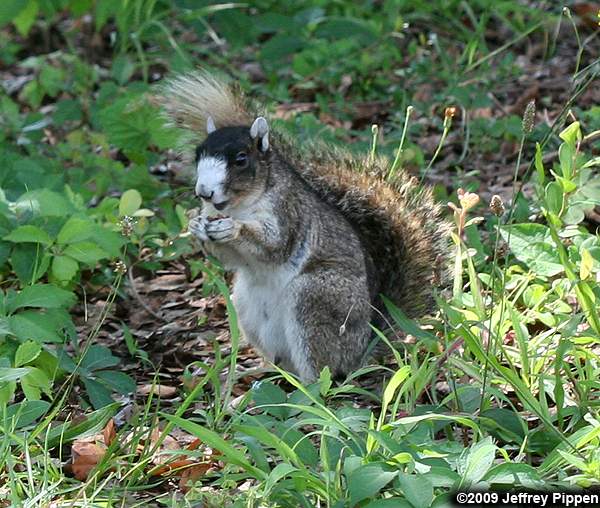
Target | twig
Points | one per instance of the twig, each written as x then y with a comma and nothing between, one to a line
138,297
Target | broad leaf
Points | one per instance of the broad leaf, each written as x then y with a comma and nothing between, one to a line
476,461
74,230
42,295
64,268
36,325
85,252
26,412
98,357
130,202
366,481
29,233
27,352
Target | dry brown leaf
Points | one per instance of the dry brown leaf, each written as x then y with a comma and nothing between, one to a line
169,443
85,456
162,391
174,467
109,433
195,444
192,474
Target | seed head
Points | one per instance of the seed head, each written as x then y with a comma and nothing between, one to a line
529,117
449,112
496,205
119,267
127,224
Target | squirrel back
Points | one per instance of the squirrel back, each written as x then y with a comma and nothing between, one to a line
397,220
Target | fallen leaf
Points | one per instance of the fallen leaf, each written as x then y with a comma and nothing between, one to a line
109,433
169,443
192,474
162,391
84,457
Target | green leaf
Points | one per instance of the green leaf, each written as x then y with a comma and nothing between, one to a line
24,21
571,134
45,203
10,10
52,79
268,394
476,462
122,69
532,244
32,324
513,474
503,423
539,164
27,352
29,233
98,357
75,230
85,252
133,125
109,241
10,374
280,46
408,325
99,395
366,481
587,264
397,379
279,472
566,156
4,323
442,477
554,197
130,202
42,295
417,489
26,412
35,382
118,381
325,381
345,28
64,268
29,261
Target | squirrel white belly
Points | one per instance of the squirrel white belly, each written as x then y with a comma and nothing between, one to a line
313,238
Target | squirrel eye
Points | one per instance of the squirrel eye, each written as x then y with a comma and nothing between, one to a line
241,159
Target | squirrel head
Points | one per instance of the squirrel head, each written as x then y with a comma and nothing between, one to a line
229,163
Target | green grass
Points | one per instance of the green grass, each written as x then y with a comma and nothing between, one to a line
498,390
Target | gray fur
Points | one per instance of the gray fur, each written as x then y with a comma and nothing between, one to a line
300,272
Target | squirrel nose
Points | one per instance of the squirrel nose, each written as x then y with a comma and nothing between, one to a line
204,194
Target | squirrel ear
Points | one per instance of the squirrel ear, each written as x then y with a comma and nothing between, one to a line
260,129
210,125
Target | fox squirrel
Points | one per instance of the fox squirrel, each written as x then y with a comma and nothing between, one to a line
313,235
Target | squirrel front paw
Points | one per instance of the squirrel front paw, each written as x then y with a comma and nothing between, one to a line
222,230
197,226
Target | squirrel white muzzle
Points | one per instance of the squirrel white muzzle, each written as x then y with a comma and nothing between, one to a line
211,174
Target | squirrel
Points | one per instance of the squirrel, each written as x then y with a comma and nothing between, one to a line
314,235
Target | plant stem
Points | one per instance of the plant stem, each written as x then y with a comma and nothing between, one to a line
400,147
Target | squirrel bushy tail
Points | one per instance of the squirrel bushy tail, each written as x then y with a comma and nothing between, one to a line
397,220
